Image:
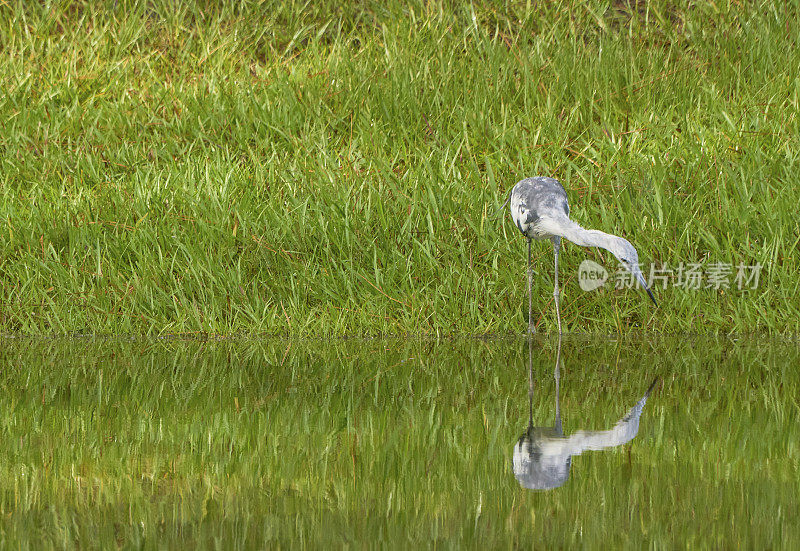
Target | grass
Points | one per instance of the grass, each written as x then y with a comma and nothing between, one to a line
322,169
391,443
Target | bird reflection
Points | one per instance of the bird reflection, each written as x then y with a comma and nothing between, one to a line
543,455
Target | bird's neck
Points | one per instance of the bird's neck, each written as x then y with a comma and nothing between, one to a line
583,237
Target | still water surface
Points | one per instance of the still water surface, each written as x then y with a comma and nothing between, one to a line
657,443
543,455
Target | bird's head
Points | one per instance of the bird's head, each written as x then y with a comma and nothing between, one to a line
628,257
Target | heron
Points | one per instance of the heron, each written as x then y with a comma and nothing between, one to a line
543,455
540,210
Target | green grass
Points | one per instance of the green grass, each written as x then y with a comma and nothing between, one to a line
392,442
321,169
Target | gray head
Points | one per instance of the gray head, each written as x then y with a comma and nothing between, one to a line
628,257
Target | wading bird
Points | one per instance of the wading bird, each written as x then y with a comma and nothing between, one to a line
543,455
540,210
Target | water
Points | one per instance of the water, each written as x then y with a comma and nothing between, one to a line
543,455
109,442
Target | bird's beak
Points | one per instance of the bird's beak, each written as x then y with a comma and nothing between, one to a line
652,386
640,279
499,212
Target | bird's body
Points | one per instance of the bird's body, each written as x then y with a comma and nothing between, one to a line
534,201
540,210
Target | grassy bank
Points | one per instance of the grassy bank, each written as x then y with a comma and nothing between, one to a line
331,170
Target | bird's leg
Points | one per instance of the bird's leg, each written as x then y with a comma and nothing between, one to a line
531,328
557,376
530,381
556,247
